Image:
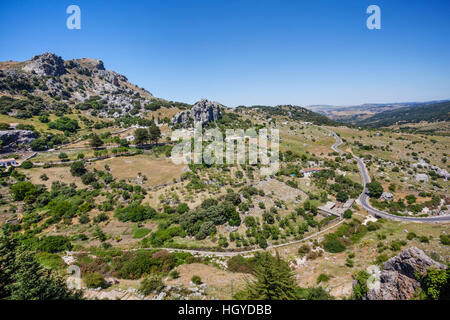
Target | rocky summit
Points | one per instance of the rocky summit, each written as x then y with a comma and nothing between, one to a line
203,112
47,64
398,278
77,82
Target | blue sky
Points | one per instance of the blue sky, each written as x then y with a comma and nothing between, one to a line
248,51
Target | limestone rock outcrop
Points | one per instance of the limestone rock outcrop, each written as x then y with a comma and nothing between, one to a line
47,64
203,112
398,278
16,139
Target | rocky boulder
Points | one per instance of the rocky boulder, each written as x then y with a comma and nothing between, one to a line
47,64
202,112
410,261
16,139
394,286
398,280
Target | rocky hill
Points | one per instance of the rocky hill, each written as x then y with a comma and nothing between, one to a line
48,83
291,112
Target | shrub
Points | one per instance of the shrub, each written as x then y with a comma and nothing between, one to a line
322,278
182,208
22,189
348,214
304,249
95,280
84,219
27,164
196,280
411,235
333,245
436,284
151,284
64,124
234,198
54,244
88,178
445,239
382,258
77,169
135,212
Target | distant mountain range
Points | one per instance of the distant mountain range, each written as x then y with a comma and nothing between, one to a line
291,112
380,115
429,112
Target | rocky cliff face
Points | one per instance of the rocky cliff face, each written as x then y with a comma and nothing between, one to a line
13,140
398,280
202,112
47,64
74,82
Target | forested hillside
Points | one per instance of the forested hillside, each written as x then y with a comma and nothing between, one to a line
427,112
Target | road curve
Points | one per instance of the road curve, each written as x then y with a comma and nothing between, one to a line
364,197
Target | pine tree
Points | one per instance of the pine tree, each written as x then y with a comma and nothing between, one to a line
274,280
141,136
154,133
96,141
32,282
7,265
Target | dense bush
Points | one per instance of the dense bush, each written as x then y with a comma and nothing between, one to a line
77,169
64,124
22,189
135,212
333,245
94,280
150,284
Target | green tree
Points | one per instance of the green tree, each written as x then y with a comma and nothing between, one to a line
33,282
348,214
96,141
436,284
375,189
235,220
63,156
77,169
274,280
154,133
341,196
141,136
7,257
27,164
22,189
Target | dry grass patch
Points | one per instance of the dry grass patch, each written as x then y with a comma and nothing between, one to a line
221,284
157,171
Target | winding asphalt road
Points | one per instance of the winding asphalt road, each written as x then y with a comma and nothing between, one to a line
364,197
